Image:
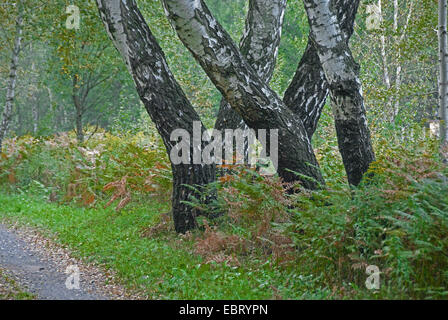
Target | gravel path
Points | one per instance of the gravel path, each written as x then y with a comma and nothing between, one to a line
39,265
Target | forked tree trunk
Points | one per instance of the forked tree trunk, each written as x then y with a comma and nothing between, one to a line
238,82
259,46
163,98
11,89
342,74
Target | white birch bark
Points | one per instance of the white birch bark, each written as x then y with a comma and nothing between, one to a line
259,46
164,101
12,80
386,76
342,74
308,91
34,98
443,71
399,68
238,82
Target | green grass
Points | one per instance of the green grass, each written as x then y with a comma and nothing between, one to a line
10,290
163,267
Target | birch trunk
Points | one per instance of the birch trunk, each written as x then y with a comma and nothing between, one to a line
162,96
443,71
386,76
79,110
399,57
396,105
35,112
238,82
308,91
342,74
259,46
34,98
398,69
11,90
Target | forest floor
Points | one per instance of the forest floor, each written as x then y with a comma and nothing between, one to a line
136,249
33,267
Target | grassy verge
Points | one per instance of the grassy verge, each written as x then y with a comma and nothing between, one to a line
163,266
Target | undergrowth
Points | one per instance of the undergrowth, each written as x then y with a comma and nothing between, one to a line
319,243
119,168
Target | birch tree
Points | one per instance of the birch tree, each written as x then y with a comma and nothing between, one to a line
11,88
162,96
164,99
258,105
397,40
241,75
443,70
342,74
214,50
170,109
308,91
259,46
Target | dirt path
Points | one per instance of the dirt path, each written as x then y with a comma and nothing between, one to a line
39,266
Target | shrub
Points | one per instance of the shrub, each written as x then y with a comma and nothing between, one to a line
132,167
396,220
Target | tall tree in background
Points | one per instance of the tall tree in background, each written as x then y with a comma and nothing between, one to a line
397,67
83,83
11,89
443,70
86,61
393,55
